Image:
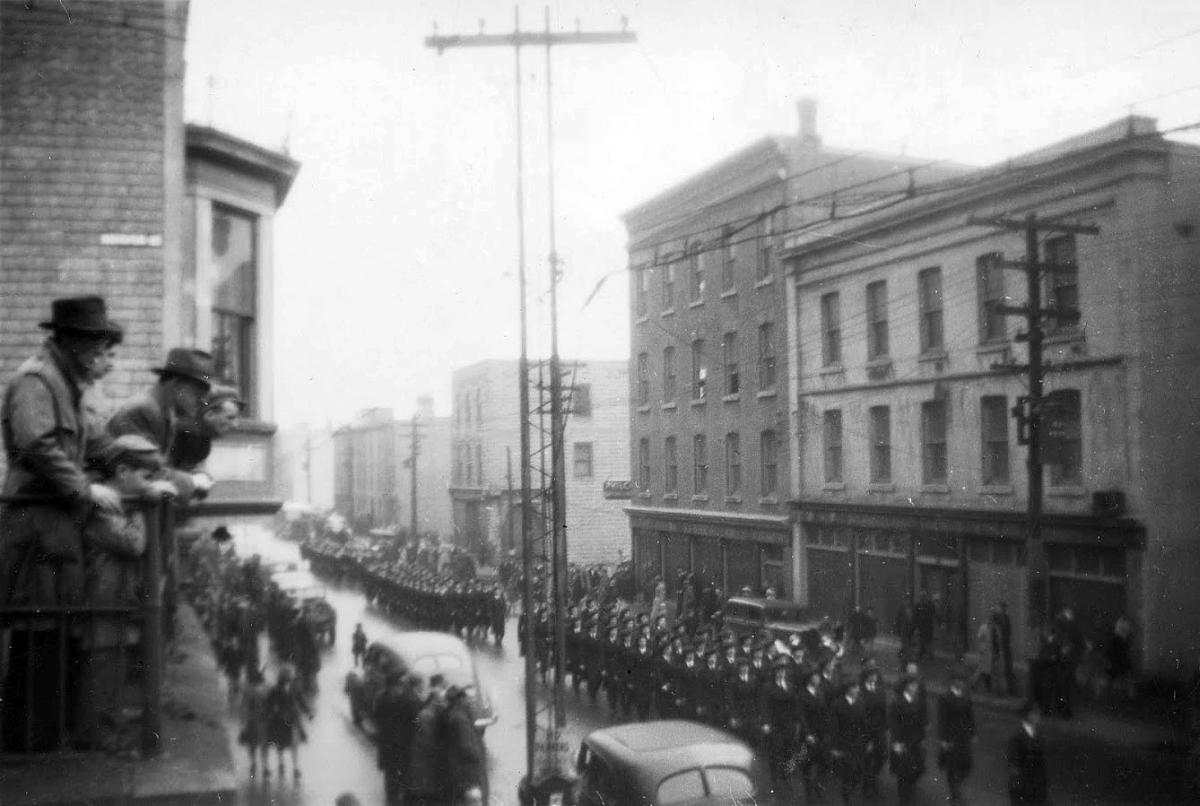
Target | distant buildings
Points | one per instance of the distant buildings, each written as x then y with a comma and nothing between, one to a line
487,456
372,485
711,444
305,465
909,475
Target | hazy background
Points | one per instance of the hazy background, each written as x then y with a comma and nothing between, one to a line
396,250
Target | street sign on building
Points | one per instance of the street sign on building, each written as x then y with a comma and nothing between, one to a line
618,490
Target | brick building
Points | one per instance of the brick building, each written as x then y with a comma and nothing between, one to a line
103,189
486,449
373,475
711,451
909,475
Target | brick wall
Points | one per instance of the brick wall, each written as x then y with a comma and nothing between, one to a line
84,128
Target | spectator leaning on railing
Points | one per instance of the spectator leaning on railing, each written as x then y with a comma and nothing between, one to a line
48,437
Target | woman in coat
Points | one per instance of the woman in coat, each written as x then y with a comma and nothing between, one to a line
253,734
284,706
466,758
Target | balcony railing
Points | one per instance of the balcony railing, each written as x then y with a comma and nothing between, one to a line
41,719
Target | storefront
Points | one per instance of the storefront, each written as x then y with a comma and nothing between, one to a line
728,550
967,561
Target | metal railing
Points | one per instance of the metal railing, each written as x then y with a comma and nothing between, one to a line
52,632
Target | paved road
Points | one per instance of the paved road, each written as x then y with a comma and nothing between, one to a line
339,758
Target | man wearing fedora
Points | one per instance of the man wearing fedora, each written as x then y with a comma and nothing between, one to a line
183,381
48,437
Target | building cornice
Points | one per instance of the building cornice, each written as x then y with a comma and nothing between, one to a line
207,143
742,519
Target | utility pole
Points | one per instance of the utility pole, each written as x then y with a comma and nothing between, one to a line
307,466
508,509
554,760
1030,410
414,452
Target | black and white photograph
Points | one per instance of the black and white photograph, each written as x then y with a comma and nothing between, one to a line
599,403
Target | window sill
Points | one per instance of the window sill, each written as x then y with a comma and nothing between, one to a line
696,303
935,489
881,487
991,347
833,369
733,499
667,312
669,406
645,495
1066,491
834,486
644,409
996,489
670,496
767,393
699,499
731,293
764,282
931,356
734,398
879,369
1063,337
698,401
768,501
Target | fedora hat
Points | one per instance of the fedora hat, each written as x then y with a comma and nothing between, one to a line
184,362
81,315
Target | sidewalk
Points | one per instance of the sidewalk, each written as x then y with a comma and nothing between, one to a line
195,766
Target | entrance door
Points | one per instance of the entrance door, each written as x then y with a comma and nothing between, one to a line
943,583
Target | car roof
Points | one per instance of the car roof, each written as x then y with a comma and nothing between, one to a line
650,751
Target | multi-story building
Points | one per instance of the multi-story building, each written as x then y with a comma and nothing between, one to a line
373,470
486,453
711,453
909,475
305,459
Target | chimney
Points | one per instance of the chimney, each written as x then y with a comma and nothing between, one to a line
425,407
807,107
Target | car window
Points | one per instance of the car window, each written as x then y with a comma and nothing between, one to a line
728,783
680,788
451,667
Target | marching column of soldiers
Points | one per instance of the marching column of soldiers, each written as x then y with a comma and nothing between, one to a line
793,701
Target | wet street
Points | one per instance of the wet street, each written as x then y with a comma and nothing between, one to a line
338,757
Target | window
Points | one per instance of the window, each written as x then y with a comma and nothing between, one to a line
728,261
696,272
766,356
933,439
470,464
764,241
1062,438
1062,286
644,464
583,460
699,464
877,321
733,464
643,380
992,323
671,465
929,282
682,787
732,379
581,400
478,408
831,329
832,431
993,428
234,259
641,289
668,286
670,377
479,464
769,444
730,784
699,370
881,445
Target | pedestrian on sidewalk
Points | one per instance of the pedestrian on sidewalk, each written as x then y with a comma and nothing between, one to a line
907,758
428,784
658,605
253,734
1027,780
1119,658
358,644
466,757
986,660
285,707
956,735
395,712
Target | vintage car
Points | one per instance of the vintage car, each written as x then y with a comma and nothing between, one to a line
307,594
423,654
669,763
755,615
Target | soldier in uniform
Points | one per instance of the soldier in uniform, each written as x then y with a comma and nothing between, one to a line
907,757
874,700
848,739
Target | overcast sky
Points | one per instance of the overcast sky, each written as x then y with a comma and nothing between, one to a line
396,250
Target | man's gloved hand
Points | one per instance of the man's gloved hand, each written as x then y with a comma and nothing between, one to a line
162,487
103,496
203,482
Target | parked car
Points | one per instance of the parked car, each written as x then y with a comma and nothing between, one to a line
423,654
669,763
754,615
